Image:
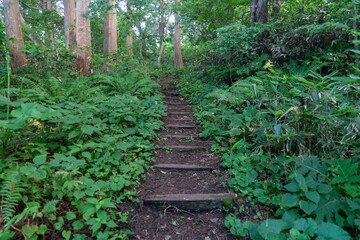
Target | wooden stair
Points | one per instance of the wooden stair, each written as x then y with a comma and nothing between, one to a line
182,167
173,126
186,148
192,202
195,201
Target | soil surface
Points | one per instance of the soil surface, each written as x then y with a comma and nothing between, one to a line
149,222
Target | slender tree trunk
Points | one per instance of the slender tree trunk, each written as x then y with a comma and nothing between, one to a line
69,23
49,7
259,11
178,62
129,38
129,42
83,36
110,29
161,31
277,6
14,30
356,38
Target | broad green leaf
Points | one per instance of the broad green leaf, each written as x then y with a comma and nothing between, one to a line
273,229
301,181
102,215
70,216
106,203
308,226
66,234
330,231
42,229
39,160
39,174
92,201
111,224
86,155
324,188
291,187
289,200
88,129
307,207
79,194
313,196
77,225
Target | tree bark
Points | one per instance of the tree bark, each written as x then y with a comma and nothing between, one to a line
69,23
259,11
83,36
110,28
161,31
356,38
49,7
129,42
178,61
277,6
129,38
14,31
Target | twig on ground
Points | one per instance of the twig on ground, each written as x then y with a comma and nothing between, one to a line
176,210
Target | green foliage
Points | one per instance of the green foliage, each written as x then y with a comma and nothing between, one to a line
277,131
11,193
87,144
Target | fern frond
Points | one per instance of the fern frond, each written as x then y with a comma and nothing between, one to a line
10,192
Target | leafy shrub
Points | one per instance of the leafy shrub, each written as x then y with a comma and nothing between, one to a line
84,142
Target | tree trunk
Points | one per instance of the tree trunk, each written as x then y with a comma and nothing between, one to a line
14,30
161,31
277,6
178,62
83,36
69,23
110,28
259,11
129,38
356,38
49,7
129,42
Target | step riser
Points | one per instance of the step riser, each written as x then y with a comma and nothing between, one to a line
181,137
190,202
181,127
187,149
182,167
179,113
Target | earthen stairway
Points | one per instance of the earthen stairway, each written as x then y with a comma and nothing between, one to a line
183,194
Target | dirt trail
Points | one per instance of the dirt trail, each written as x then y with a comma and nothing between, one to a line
189,171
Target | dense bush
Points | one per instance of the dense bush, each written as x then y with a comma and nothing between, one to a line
289,138
74,148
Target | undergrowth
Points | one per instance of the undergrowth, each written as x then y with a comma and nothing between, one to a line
290,141
72,150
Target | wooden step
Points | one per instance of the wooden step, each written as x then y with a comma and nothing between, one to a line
177,104
181,121
179,113
173,126
170,93
188,108
182,167
180,136
186,148
191,202
172,98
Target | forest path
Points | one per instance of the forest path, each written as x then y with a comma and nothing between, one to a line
183,193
